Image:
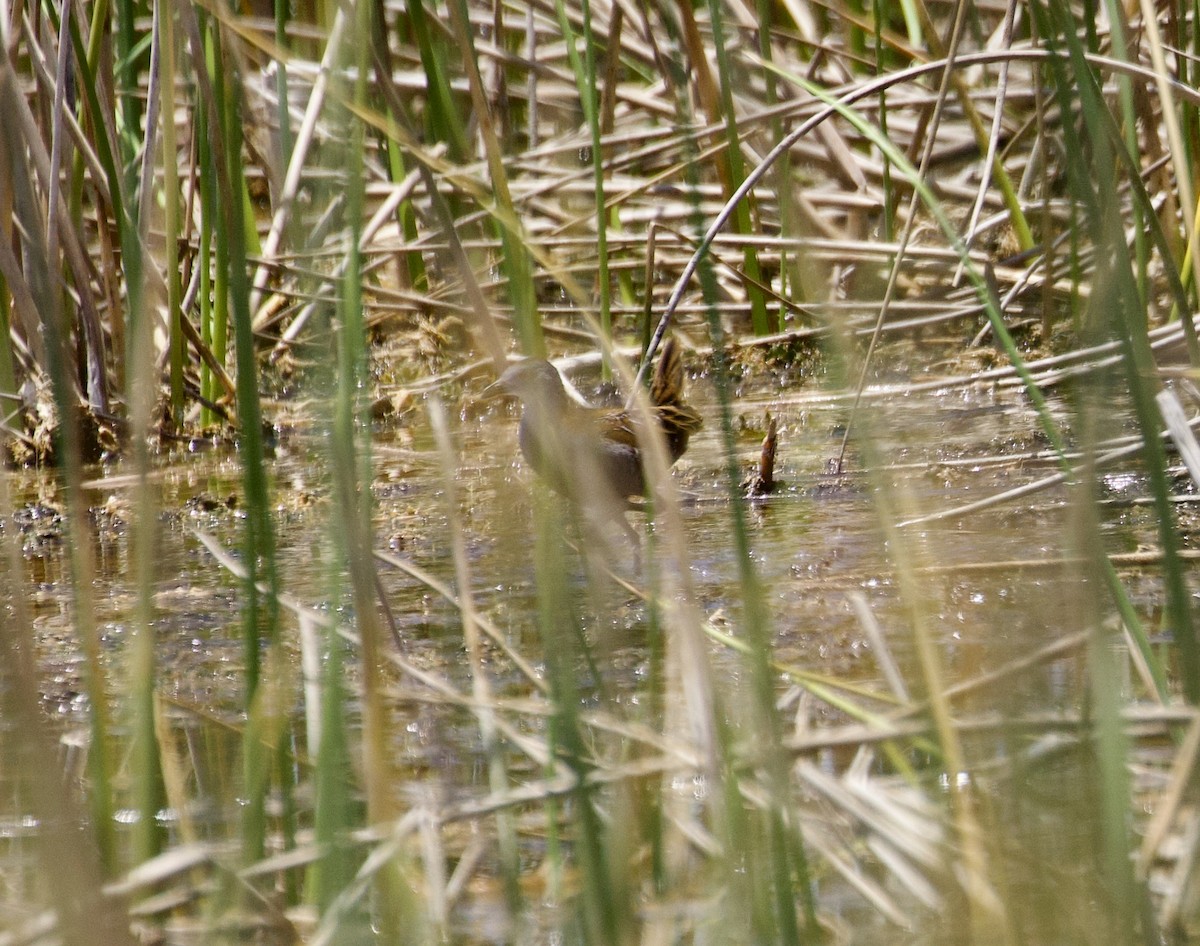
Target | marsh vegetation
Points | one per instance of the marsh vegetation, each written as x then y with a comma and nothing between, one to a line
295,648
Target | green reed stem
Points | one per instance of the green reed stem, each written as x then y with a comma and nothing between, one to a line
282,8
126,76
413,274
1126,906
86,63
9,400
603,916
785,871
481,684
514,259
335,812
260,615
443,115
352,476
212,301
890,198
40,258
1189,69
141,393
105,149
1118,41
1119,308
171,216
785,844
74,864
742,223
587,82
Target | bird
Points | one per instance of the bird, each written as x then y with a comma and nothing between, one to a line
594,455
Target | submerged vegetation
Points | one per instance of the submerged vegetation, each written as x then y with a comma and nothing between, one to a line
310,234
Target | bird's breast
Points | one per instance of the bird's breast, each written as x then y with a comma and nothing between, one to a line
577,461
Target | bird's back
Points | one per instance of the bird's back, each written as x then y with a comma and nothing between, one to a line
678,419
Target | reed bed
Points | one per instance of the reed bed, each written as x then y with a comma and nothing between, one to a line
212,215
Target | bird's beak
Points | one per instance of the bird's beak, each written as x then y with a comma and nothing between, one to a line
498,388
503,385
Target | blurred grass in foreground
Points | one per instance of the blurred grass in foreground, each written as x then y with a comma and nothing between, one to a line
178,244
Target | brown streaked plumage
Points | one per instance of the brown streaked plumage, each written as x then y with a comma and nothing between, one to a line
592,455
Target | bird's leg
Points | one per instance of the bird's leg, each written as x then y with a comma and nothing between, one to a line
635,541
601,540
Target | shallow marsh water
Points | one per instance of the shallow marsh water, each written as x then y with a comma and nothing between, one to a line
817,545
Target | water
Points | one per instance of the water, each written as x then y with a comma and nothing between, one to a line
986,588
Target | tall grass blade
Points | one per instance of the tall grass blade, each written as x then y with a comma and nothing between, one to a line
1119,309
40,268
586,80
601,915
260,620
481,685
68,849
731,159
412,269
514,261
141,396
444,116
783,860
130,111
172,235
351,480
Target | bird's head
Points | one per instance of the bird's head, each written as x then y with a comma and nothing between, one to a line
533,381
